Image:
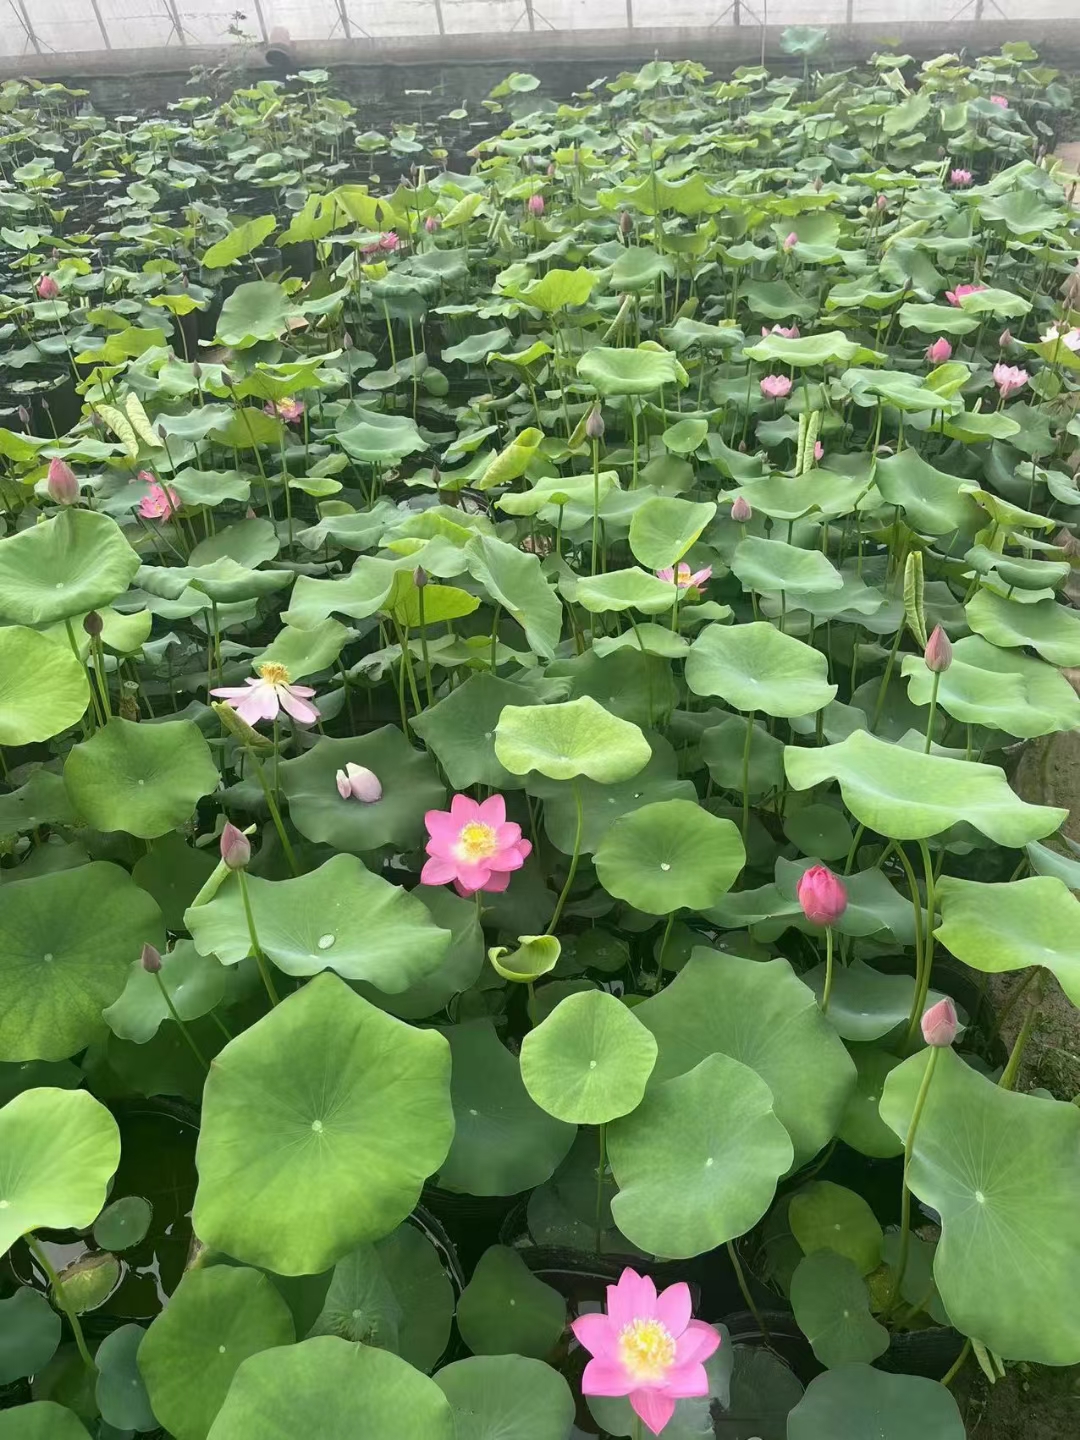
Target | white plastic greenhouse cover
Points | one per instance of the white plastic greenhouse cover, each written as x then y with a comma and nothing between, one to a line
47,27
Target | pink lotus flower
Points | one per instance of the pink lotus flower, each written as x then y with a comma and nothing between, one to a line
47,288
960,178
939,1024
161,501
235,847
474,845
882,202
1009,379
357,782
955,296
822,895
286,408
790,241
62,484
432,223
1069,338
265,697
776,387
938,652
646,1347
939,351
388,241
535,205
740,510
685,578
999,101
790,332
819,450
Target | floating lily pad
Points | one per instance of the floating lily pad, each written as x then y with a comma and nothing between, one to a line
824,1216
120,1392
145,779
123,1223
43,688
589,1061
29,1334
756,667
76,562
578,737
506,1310
669,856
507,1397
855,1401
832,1307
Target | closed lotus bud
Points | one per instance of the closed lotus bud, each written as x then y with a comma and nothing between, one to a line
151,959
818,184
594,425
420,577
62,484
1005,339
357,782
47,288
432,223
626,222
822,895
235,847
535,205
184,281
346,341
740,510
436,476
938,653
227,380
939,1024
24,417
379,213
647,135
162,433
196,369
882,202
93,624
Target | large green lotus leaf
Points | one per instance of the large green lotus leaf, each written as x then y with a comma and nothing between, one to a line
589,1061
577,737
628,372
831,347
995,302
505,1310
757,667
211,487
559,288
936,319
248,542
722,750
854,1402
670,855
1001,689
257,310
862,1126
864,1003
631,589
123,1223
998,928
29,1334
688,334
931,499
832,1308
504,1142
240,241
410,786
1020,212
760,1013
1048,627
174,872
43,687
972,426
66,942
76,562
907,795
360,593
223,581
41,1420
214,1320
459,968
776,300
697,1162
516,583
665,527
58,1151
320,1125
120,1393
459,730
637,268
685,436
629,684
395,1294
380,439
195,984
328,1387
552,492
339,917
43,800
507,1397
145,779
1002,1171
304,652
475,348
790,497
824,1216
770,565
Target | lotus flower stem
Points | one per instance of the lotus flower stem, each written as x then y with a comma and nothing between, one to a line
272,806
923,985
98,717
182,1027
751,1304
260,958
747,743
905,1203
916,902
933,712
600,1172
60,1295
573,862
424,649
886,677
1009,1074
958,1364
596,501
826,994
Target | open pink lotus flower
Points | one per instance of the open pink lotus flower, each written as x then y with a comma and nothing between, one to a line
389,240
955,296
264,698
47,288
999,101
161,502
789,332
286,408
939,351
474,845
646,1347
1009,379
960,178
776,387
685,577
1069,338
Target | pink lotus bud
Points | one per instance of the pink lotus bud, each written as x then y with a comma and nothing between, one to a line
822,895
432,223
938,652
47,288
626,222
740,510
151,959
535,205
960,178
939,351
62,484
357,782
999,101
594,425
24,417
1005,339
790,241
235,847
420,577
882,202
939,1024
819,450
93,624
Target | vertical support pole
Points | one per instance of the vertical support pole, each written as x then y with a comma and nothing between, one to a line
529,14
736,12
101,24
629,14
30,35
850,15
174,16
439,17
262,22
343,16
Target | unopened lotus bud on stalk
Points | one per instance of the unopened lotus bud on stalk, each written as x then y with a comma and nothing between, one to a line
62,484
196,369
47,288
823,898
939,1024
939,351
24,417
535,205
420,577
235,847
151,959
346,341
938,653
227,380
740,510
1005,339
647,135
818,184
594,425
626,222
432,223
882,202
162,434
790,241
93,624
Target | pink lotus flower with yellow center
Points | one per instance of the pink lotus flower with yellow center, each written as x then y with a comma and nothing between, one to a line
647,1348
684,577
955,296
286,408
265,697
473,845
161,501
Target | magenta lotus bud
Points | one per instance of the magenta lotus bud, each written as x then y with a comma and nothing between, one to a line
881,202
740,510
626,222
47,288
432,223
420,577
822,895
1005,339
790,241
151,959
235,847
357,782
594,425
938,652
535,205
62,484
939,1024
93,624
939,351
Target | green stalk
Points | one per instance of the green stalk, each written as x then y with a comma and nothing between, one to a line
596,501
600,1189
826,994
905,1204
260,958
919,1002
747,743
424,649
933,712
38,1252
733,1256
182,1027
1012,1069
272,806
573,862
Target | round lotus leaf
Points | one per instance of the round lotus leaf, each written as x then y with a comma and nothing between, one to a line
339,917
58,1152
832,1307
459,730
534,956
757,667
330,1388
194,983
1051,629
628,372
918,1287
997,928
505,1310
410,786
1002,689
123,1223
67,940
43,688
395,1294
619,590
145,779
664,528
865,1003
822,831
855,1401
578,737
722,749
89,1281
589,1061
174,872
507,1397
697,1162
861,1126
41,1420
790,497
669,856
29,1334
1002,1171
320,1125
214,1320
907,795
120,1392
766,566
457,971
685,436
761,1013
504,1142
825,1216
76,562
